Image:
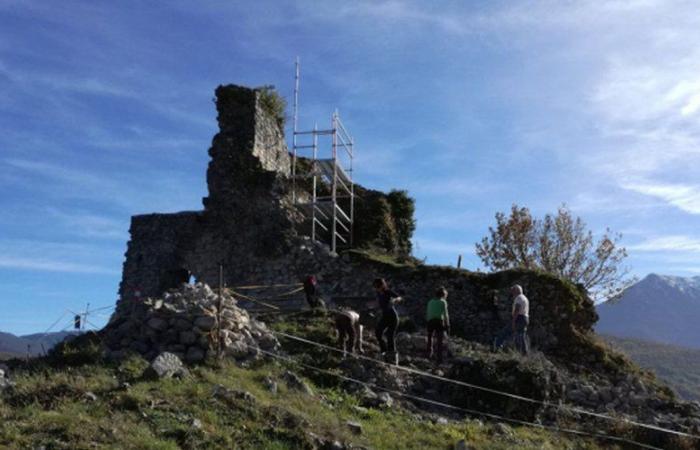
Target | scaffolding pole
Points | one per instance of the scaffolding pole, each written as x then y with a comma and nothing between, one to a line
294,133
325,212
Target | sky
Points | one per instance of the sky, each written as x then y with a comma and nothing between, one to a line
106,111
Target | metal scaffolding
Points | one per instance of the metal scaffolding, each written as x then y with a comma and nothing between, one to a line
330,207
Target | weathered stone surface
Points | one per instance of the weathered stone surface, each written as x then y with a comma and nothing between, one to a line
295,382
355,427
166,365
187,338
205,323
195,354
189,328
157,324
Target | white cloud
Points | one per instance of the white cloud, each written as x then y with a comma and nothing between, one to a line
682,196
677,243
49,265
67,257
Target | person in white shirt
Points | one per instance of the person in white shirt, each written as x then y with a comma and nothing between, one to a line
520,319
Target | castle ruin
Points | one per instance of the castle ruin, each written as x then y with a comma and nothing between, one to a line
251,227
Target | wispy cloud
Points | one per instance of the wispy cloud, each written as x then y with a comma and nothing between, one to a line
48,265
678,243
67,257
682,196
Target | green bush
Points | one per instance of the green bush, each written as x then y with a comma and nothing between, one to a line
84,349
273,104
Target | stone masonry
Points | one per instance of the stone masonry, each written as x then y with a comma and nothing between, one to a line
249,226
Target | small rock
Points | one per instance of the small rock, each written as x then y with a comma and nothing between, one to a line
157,324
441,421
355,427
90,396
503,429
187,337
295,382
360,410
166,365
205,323
196,424
270,384
237,349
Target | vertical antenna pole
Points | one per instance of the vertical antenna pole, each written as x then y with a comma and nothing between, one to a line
294,133
82,325
352,191
314,194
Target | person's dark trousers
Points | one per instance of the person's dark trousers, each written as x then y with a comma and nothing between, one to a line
435,327
502,336
387,324
521,340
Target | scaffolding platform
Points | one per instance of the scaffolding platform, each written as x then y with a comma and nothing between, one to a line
330,222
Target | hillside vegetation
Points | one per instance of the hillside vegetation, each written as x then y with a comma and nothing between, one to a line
76,401
677,366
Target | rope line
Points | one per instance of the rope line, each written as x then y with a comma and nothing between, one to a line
263,286
458,408
55,323
493,391
251,299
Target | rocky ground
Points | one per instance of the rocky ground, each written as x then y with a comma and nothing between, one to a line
615,387
136,384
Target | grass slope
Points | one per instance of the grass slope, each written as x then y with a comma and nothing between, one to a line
677,366
50,407
74,400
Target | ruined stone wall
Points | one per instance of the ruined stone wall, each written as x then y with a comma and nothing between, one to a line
249,226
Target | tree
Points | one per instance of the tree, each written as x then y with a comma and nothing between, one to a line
560,245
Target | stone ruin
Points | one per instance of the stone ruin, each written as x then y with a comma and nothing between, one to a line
191,322
250,226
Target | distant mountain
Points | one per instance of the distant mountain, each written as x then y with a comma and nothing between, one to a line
36,344
658,308
677,366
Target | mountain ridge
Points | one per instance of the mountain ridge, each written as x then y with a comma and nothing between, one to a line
659,308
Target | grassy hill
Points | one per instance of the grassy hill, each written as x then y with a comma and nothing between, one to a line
74,399
223,406
679,367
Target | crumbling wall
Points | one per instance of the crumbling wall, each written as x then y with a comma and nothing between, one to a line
156,253
251,229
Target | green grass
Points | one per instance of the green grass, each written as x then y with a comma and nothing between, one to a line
49,407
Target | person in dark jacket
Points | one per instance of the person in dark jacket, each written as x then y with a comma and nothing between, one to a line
312,293
389,320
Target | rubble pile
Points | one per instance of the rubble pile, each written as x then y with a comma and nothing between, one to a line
187,322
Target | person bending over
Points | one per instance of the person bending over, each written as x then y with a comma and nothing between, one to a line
347,324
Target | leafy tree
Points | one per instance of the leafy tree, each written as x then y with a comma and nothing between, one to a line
559,244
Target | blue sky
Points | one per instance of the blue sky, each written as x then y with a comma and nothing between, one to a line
106,112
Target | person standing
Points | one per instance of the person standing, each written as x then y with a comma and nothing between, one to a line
389,321
311,292
520,319
438,322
